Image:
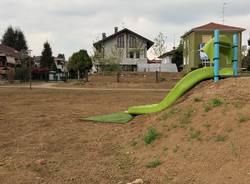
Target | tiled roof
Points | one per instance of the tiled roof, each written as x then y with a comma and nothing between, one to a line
170,53
212,26
125,30
8,51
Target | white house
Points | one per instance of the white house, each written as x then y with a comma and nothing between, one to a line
128,47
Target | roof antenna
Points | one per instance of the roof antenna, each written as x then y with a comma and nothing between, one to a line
174,41
223,11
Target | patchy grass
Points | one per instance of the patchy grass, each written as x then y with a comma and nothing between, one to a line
207,125
216,102
151,136
197,99
243,118
207,107
220,138
176,148
154,163
186,116
170,113
233,149
173,126
134,143
195,134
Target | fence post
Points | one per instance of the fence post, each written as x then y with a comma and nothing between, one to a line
118,77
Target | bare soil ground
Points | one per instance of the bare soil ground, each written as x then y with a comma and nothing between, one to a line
203,138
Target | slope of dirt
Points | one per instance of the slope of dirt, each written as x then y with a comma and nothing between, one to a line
204,138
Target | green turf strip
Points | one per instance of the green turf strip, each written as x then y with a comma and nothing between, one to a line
118,117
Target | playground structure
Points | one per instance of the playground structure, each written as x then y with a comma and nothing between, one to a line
219,45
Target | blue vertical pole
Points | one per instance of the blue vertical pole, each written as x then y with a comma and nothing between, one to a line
235,54
216,54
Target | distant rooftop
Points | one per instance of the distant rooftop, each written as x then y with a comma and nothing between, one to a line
212,26
8,51
170,53
125,30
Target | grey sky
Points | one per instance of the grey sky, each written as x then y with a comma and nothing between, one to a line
75,24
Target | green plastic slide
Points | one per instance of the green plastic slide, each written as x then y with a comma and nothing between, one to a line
225,49
186,83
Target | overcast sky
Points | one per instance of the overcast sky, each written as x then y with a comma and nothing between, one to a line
71,25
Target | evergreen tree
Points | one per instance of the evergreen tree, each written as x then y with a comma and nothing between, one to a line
14,38
9,37
20,41
178,57
46,58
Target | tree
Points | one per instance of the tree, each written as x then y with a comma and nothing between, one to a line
159,46
20,41
47,59
178,57
15,38
80,63
61,56
246,59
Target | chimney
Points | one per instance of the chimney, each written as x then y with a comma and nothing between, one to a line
104,35
116,29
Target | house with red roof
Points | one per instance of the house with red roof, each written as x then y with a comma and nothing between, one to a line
196,38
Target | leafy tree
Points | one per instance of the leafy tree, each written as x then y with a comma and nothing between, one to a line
178,57
14,38
80,62
47,59
159,46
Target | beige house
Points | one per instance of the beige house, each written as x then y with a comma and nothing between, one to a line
124,47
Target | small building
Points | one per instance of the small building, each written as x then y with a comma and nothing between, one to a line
167,57
60,70
196,38
60,74
9,59
125,46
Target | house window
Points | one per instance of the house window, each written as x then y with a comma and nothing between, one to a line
131,54
120,41
132,41
137,54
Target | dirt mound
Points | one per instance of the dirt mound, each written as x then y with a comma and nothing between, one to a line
204,138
